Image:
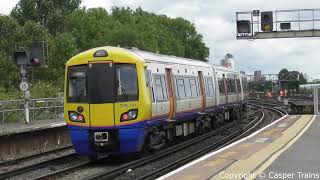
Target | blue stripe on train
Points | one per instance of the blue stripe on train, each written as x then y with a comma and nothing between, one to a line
131,137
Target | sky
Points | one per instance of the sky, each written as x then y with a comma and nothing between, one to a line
216,21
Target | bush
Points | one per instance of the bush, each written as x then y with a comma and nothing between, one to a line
9,94
44,90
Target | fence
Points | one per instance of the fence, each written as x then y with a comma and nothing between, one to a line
40,109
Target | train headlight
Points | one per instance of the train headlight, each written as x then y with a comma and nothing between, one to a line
129,115
73,116
76,117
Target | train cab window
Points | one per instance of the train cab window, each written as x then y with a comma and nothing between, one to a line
127,82
181,88
209,86
77,84
194,87
160,88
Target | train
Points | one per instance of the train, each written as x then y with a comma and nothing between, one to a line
125,100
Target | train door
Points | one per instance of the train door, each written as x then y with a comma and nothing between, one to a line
101,90
202,91
225,88
171,92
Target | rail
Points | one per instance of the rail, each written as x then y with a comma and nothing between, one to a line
40,109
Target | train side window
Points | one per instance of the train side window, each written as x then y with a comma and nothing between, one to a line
231,85
209,87
164,87
193,84
244,85
149,83
187,87
206,85
238,85
160,88
221,86
234,88
181,88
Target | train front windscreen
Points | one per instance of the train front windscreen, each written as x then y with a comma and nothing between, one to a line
100,83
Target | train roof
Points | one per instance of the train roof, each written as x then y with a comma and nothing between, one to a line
86,56
153,57
122,55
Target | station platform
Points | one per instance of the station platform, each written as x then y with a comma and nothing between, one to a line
21,127
286,149
20,140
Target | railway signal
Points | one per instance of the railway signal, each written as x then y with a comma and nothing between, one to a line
267,21
35,62
25,58
243,26
34,56
297,23
37,54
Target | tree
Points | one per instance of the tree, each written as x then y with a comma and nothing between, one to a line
68,30
91,28
49,13
62,47
291,79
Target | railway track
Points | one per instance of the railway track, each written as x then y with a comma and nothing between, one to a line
246,130
26,158
13,168
228,133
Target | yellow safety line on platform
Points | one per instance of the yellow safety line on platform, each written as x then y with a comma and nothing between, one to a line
277,154
250,164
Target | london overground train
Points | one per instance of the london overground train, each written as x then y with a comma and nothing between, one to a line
120,101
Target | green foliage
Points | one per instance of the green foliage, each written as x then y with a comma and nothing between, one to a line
49,13
62,47
136,28
68,29
44,90
9,94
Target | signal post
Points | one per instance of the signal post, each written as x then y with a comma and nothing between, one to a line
26,59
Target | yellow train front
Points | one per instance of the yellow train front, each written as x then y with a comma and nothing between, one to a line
106,101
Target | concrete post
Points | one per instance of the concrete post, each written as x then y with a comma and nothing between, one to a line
26,111
24,86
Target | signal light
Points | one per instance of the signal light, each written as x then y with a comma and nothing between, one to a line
37,54
244,26
267,21
35,62
21,58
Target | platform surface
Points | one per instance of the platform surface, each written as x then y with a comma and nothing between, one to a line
15,128
286,149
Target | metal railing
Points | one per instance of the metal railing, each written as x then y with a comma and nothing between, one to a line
40,109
